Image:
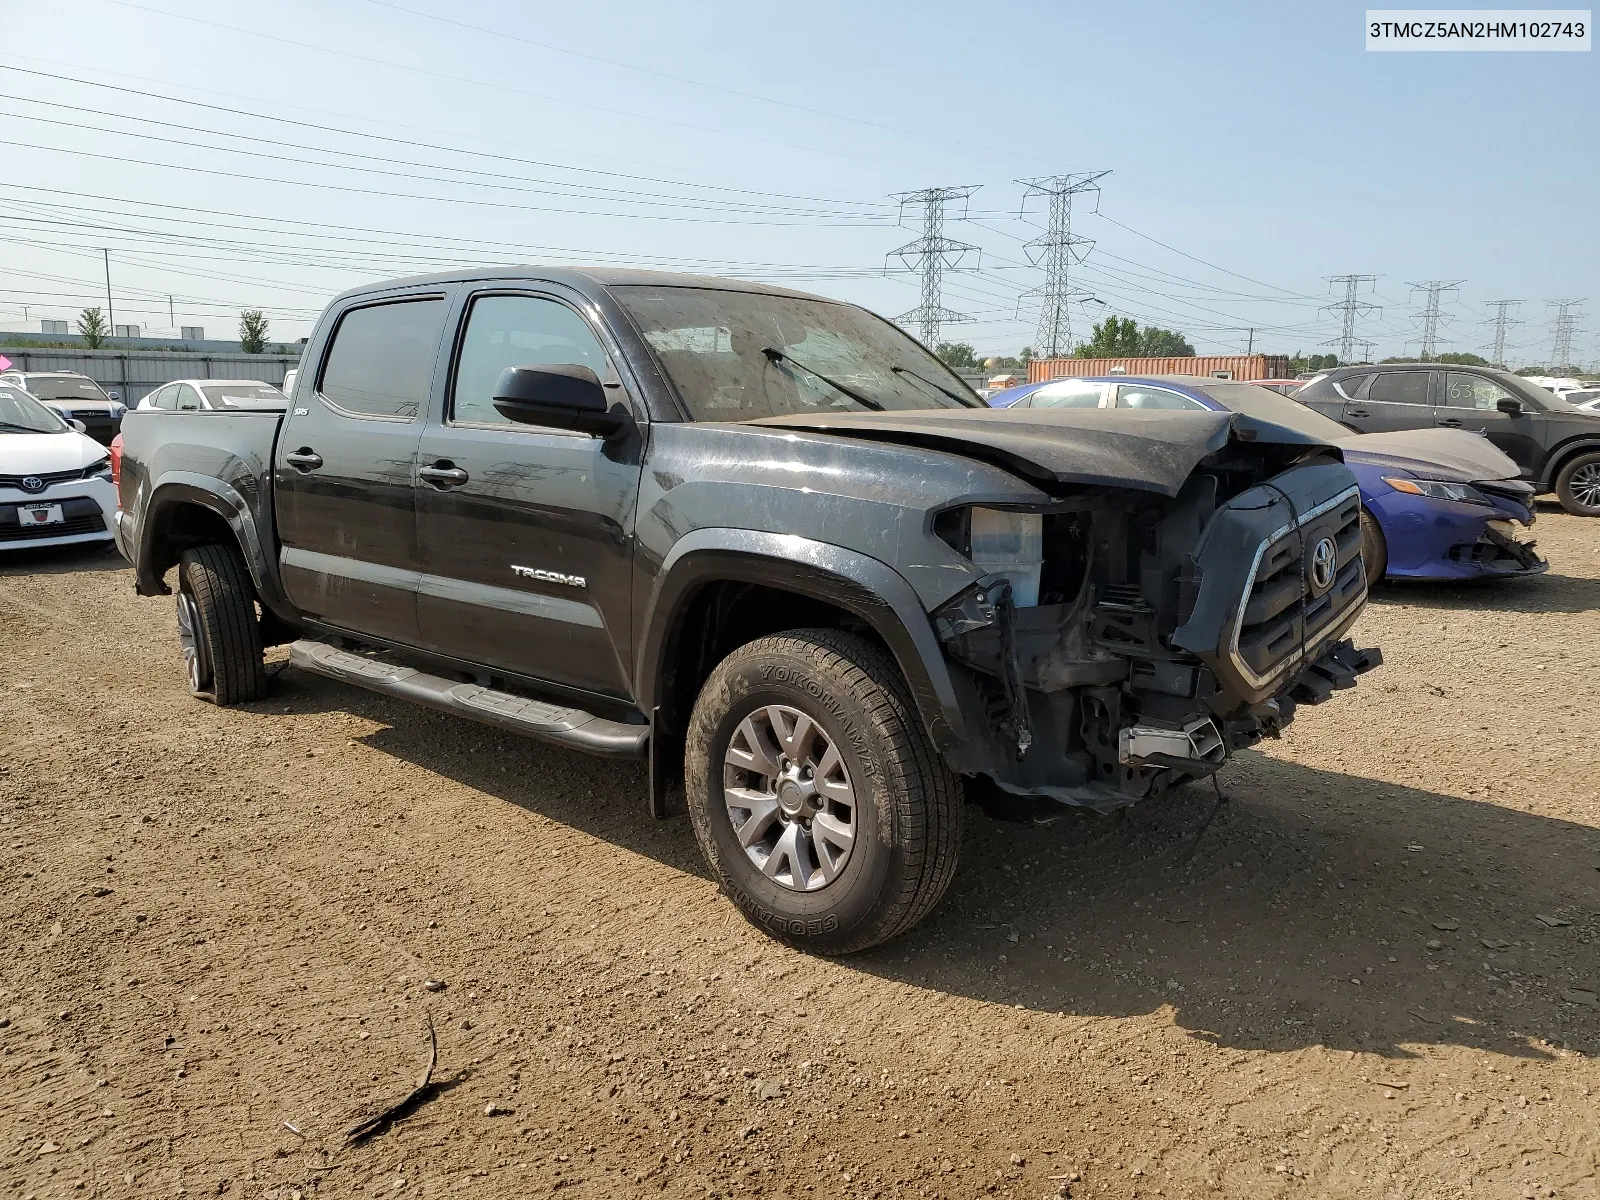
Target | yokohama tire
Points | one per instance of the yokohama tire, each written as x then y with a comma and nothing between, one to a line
906,808
1374,549
217,605
1578,485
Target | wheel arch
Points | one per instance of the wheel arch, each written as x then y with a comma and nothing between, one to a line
779,582
185,511
1562,455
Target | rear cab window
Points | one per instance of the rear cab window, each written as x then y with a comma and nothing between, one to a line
380,361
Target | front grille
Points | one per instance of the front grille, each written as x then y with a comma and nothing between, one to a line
49,477
81,514
1284,612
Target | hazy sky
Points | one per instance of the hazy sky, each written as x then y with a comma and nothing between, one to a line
1260,143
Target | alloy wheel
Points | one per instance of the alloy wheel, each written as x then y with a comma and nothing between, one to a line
189,641
1585,485
790,798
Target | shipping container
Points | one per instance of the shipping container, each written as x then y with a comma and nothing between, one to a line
1244,367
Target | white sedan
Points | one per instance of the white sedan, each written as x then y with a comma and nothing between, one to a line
213,395
55,483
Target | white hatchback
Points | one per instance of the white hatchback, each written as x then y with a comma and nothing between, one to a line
55,483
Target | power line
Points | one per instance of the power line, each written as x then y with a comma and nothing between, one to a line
1429,317
1501,322
1349,309
500,34
1055,250
931,255
487,83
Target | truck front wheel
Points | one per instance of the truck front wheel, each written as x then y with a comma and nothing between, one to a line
819,802
218,630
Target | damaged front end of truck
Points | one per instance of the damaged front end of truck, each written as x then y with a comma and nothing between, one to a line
1167,631
1190,583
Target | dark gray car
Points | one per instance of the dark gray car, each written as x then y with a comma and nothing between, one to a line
1555,443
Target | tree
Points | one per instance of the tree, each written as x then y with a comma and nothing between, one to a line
958,356
92,325
1322,362
1115,337
1028,355
1461,359
252,331
1163,343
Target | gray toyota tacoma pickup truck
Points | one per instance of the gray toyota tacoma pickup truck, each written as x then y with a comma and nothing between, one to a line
765,541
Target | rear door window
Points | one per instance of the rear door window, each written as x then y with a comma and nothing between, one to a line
381,361
1069,393
1400,387
1350,387
1138,395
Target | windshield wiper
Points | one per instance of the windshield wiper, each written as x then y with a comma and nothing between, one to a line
964,401
780,356
14,427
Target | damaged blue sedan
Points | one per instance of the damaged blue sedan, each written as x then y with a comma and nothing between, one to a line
1437,504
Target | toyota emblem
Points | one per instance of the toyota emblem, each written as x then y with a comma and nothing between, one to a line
32,483
1324,560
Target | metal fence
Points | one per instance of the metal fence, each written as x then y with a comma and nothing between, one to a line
134,374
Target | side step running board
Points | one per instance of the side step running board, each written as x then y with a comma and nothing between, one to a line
535,718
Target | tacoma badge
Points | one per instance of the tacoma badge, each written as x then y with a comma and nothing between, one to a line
550,576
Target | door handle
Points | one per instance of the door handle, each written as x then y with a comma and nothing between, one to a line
304,459
444,474
1453,422
1357,412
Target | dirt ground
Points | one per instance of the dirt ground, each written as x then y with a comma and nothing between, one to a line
1373,975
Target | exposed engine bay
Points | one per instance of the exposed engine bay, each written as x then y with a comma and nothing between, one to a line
1158,634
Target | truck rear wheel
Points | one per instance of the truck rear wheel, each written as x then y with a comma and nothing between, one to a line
217,626
819,802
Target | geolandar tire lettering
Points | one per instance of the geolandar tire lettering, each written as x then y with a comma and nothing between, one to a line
821,806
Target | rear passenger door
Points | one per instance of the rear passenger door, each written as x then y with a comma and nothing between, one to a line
344,469
525,533
1392,400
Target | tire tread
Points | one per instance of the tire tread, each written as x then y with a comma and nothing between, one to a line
224,595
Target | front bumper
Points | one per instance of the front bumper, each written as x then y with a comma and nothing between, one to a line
88,507
1432,539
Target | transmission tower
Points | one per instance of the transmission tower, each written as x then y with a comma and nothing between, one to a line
1056,250
931,255
1501,321
1349,309
1429,317
1566,324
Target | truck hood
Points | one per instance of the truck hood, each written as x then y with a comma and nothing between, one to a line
1148,451
1452,455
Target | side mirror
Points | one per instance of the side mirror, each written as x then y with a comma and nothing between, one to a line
78,425
565,396
113,394
1511,408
